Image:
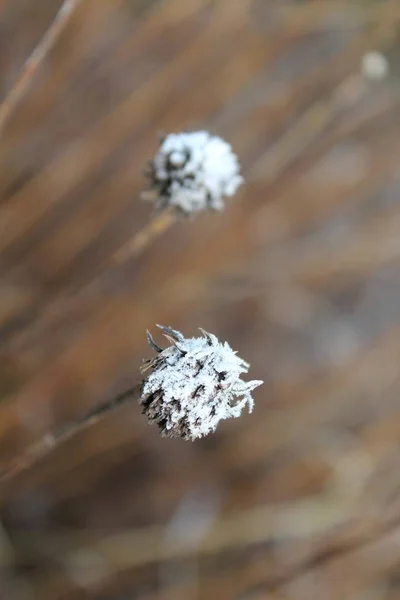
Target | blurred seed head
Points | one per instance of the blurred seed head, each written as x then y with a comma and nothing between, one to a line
374,65
192,172
193,385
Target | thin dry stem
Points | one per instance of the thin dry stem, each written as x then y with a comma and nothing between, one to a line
143,238
35,60
49,441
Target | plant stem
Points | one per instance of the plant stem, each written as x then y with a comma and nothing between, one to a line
49,441
143,238
35,60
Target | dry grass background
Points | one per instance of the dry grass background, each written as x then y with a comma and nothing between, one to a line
301,499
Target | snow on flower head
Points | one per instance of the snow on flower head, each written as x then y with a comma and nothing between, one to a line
193,172
193,384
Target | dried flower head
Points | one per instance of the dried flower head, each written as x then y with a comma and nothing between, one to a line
194,383
193,172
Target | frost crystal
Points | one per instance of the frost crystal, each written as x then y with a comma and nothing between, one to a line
194,383
193,172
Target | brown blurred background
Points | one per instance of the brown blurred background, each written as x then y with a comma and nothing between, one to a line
301,499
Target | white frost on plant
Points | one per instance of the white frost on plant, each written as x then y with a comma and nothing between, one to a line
194,384
193,172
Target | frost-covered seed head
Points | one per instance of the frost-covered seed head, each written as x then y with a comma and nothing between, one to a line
193,384
374,66
193,172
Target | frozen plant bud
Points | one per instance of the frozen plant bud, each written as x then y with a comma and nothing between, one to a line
194,383
193,171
